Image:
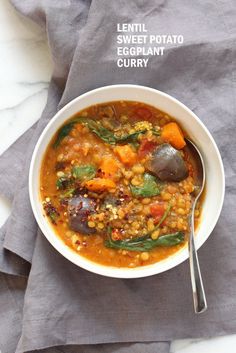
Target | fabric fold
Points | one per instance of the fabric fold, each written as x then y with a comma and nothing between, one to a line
12,290
150,347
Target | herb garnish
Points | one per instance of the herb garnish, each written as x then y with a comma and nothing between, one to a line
149,188
83,172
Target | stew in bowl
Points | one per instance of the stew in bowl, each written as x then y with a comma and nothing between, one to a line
112,181
118,182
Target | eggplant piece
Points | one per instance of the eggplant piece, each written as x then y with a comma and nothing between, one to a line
167,164
79,208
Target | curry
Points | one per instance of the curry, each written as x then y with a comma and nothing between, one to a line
118,182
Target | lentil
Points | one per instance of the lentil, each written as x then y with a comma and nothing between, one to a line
144,256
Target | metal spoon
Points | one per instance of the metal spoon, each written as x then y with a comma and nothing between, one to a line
199,298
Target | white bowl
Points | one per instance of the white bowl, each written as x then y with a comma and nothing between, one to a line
215,182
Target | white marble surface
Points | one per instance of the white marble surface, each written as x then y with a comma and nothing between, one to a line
25,70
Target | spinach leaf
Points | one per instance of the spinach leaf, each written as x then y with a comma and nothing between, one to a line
68,193
107,135
149,188
145,243
60,183
83,172
63,183
63,132
98,129
144,240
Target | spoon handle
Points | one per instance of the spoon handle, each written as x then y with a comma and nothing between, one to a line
199,298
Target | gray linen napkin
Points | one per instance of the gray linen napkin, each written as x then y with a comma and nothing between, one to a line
65,305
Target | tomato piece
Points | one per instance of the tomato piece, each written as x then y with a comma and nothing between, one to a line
146,147
143,113
157,210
